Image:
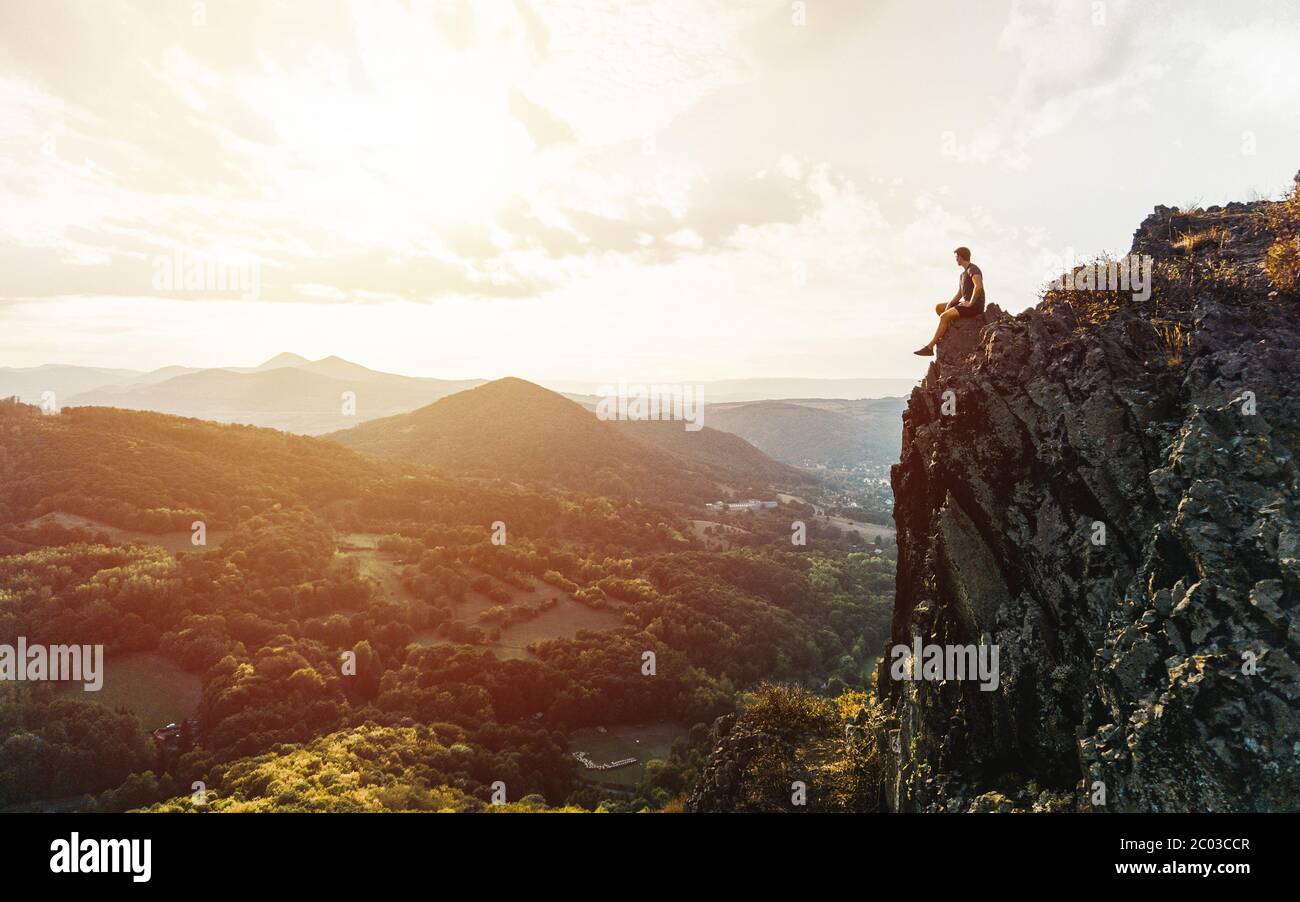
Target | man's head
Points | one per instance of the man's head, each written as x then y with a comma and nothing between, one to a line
963,256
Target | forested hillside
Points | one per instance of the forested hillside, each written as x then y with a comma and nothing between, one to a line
474,660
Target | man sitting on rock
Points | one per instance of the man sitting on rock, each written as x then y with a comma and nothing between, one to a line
968,301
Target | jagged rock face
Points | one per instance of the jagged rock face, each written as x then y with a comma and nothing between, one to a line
722,785
1121,664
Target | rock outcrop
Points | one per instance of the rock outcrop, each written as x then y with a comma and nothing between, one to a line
789,751
1106,488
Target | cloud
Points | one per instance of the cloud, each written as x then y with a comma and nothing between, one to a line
1082,64
560,160
543,127
403,138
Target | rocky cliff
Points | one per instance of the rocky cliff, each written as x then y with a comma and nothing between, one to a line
1105,487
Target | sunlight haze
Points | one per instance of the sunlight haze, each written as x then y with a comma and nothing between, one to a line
595,191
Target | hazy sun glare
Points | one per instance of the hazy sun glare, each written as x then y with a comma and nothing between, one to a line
704,189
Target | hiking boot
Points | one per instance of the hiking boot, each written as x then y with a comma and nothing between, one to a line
926,351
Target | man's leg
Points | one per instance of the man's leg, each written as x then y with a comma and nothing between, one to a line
946,316
945,320
939,308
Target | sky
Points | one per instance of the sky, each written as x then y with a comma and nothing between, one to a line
672,191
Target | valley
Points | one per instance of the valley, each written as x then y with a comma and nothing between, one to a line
500,653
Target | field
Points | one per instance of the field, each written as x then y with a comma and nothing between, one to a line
639,741
868,531
174,542
563,621
381,570
148,684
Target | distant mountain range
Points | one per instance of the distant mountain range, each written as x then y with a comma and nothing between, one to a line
811,432
802,432
31,383
287,392
801,422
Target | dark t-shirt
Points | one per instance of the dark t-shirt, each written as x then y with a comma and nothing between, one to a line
967,286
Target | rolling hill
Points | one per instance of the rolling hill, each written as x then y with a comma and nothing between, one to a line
144,470
715,447
514,429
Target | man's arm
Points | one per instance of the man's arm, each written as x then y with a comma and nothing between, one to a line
955,298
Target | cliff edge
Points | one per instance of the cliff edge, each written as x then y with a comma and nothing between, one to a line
1105,487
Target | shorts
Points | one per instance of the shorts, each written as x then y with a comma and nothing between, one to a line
969,311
